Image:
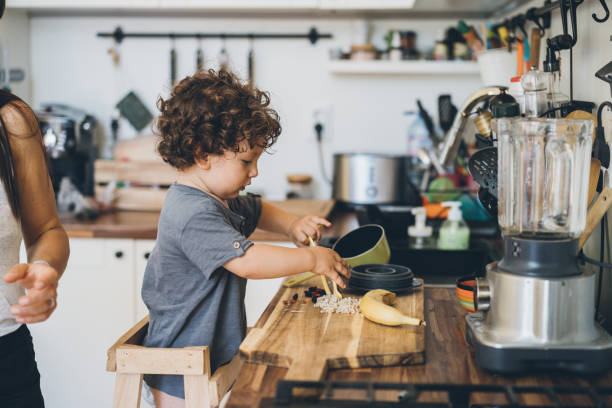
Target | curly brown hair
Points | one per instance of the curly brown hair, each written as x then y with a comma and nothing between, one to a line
212,112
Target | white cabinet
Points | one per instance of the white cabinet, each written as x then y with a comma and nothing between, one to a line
95,306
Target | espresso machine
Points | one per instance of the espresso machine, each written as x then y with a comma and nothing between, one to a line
71,139
535,307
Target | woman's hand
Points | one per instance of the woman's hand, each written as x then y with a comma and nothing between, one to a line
328,263
308,226
40,281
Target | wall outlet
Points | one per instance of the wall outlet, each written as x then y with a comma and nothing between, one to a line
323,115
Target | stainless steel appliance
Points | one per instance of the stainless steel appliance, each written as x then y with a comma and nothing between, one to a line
368,178
71,142
535,306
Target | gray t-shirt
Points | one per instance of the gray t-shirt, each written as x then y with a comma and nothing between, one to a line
192,299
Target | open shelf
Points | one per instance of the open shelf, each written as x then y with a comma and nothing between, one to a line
422,67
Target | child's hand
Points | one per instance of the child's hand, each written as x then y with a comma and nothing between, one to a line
330,264
308,226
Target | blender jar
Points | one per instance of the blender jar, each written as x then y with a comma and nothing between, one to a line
543,171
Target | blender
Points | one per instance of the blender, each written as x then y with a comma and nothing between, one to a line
535,307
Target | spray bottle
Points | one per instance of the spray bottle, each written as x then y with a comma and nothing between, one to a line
454,233
420,234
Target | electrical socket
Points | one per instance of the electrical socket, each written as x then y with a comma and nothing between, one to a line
324,116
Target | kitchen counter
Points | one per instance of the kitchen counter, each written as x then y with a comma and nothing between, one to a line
143,224
449,359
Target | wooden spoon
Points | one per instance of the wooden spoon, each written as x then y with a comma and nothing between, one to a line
597,211
593,179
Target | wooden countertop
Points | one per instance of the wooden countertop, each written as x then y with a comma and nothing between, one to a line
143,224
449,359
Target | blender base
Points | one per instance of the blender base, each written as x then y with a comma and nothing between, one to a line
589,358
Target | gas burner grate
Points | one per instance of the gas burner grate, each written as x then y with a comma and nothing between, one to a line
415,395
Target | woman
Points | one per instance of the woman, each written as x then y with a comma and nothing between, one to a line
27,209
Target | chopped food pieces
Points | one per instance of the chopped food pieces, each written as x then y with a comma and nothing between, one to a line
331,303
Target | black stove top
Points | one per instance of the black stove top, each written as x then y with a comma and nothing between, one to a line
372,394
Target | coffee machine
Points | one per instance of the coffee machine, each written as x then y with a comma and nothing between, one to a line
71,143
535,307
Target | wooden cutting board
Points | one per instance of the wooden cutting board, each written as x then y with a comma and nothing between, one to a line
308,342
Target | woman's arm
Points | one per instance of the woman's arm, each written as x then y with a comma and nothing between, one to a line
298,229
44,237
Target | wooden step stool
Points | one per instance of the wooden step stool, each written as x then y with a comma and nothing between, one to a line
131,361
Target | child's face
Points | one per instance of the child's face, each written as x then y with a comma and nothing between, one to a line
230,172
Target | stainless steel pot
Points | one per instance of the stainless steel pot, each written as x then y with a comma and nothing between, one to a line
368,178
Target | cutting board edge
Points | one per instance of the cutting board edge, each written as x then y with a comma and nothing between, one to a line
371,361
270,359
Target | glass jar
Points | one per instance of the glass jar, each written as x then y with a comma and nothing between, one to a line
543,175
299,186
535,85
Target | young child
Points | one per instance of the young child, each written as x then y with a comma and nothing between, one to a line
213,129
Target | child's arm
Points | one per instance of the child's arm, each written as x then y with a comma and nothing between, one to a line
298,229
263,261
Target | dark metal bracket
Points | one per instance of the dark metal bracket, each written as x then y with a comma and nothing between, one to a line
606,10
119,35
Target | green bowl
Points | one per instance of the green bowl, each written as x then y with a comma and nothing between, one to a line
365,245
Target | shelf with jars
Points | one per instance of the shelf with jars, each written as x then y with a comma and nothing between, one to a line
404,67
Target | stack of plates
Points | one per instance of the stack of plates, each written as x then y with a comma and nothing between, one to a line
395,278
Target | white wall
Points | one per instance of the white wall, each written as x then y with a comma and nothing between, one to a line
15,37
71,65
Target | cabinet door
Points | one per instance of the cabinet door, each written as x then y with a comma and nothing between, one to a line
259,292
95,306
143,250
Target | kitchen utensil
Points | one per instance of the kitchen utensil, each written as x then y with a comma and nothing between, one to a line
368,178
223,56
534,54
483,168
594,171
520,56
446,112
428,123
172,63
595,214
605,74
310,343
364,245
465,291
199,58
132,108
251,62
395,278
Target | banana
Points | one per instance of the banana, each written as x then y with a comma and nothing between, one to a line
376,306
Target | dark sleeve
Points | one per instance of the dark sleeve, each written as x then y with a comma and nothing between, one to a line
209,241
249,206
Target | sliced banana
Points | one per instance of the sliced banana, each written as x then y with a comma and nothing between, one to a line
376,306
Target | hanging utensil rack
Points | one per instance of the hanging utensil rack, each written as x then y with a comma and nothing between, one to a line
312,35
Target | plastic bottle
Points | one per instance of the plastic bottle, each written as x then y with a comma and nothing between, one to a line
535,85
419,233
454,233
517,92
395,52
418,135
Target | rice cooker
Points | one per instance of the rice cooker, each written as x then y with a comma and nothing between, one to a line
368,178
